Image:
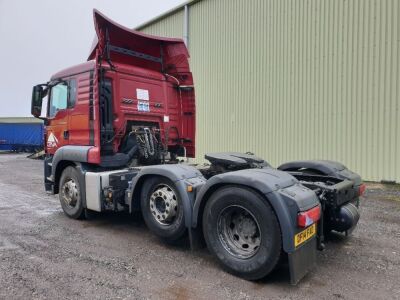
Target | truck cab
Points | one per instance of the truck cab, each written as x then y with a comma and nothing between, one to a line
67,121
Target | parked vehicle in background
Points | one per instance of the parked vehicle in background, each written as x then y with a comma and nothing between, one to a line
21,134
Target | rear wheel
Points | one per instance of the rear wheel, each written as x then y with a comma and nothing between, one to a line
70,193
162,208
241,229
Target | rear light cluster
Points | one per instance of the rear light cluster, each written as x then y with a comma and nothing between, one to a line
308,217
361,189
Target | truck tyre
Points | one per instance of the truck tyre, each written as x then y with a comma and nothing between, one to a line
70,193
241,229
162,208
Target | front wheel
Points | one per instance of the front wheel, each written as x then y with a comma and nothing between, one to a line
70,193
241,229
162,208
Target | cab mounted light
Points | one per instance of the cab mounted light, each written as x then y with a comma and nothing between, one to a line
186,88
308,217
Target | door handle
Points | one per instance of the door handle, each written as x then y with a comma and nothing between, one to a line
66,134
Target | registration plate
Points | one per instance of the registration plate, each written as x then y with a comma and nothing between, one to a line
305,235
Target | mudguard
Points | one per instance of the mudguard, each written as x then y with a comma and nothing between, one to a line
69,153
286,196
181,175
326,167
74,154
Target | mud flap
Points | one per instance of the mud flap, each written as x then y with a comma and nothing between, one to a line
196,239
302,260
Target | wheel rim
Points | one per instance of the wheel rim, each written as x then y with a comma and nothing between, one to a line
70,193
164,204
239,232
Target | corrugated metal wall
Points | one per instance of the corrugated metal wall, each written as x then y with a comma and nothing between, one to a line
172,26
297,79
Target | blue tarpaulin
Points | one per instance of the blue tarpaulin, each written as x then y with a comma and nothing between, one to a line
21,136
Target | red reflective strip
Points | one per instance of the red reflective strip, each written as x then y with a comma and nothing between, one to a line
361,189
308,217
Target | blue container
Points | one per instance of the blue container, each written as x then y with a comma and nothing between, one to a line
26,137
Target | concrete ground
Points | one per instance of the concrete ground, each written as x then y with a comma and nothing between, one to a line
45,255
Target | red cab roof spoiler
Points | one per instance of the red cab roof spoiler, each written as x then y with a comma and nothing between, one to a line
116,43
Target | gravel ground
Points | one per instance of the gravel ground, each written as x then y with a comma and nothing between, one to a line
45,255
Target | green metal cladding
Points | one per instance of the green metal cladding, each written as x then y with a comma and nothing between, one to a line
296,79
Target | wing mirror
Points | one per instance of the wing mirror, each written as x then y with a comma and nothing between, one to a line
37,98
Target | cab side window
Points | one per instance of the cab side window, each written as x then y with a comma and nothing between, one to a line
62,96
58,98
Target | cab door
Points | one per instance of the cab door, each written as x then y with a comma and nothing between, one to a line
58,113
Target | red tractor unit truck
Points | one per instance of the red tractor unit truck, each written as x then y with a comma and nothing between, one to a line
116,128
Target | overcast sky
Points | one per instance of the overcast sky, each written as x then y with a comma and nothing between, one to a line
40,37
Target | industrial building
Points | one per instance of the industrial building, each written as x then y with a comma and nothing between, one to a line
295,79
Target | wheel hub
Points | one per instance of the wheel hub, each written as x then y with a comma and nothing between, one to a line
246,227
163,204
239,232
70,193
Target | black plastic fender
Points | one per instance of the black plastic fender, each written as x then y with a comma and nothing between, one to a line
286,196
69,153
181,175
326,167
50,185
